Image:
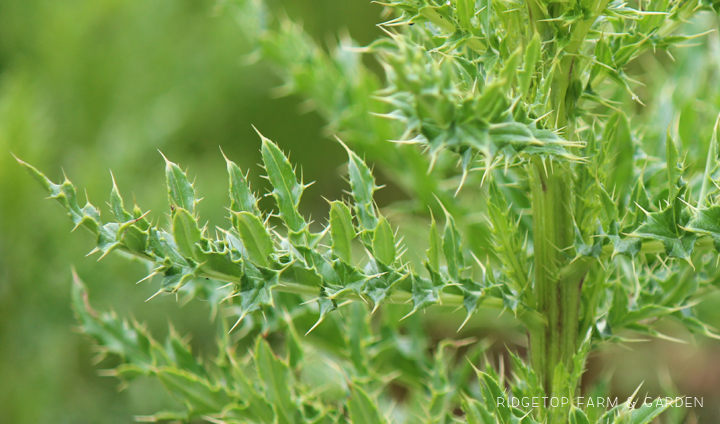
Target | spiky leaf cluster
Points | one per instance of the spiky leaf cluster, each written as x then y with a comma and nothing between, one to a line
245,263
618,239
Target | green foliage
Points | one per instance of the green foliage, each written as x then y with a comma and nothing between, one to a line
468,86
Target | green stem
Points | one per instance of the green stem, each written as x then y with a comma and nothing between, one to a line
530,318
557,291
557,283
533,320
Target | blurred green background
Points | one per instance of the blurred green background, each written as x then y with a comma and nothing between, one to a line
90,86
93,85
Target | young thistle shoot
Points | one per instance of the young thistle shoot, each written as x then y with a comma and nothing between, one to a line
590,231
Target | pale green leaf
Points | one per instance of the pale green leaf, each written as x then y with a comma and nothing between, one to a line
185,232
363,187
287,191
452,248
241,197
384,242
362,409
433,252
256,240
341,230
275,375
181,193
117,205
648,412
617,155
198,394
577,416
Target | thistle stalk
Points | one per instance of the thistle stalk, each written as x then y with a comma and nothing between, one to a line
558,294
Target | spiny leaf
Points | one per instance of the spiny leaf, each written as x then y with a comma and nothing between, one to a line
378,287
711,165
662,226
628,246
577,416
255,289
199,395
287,191
275,375
706,221
117,205
66,195
181,193
617,155
362,409
293,344
179,353
242,198
384,242
648,412
255,238
341,230
49,186
507,239
497,400
185,232
326,305
425,291
258,408
116,336
674,168
452,248
532,55
433,252
476,413
363,187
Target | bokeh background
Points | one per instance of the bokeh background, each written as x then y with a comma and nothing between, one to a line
90,86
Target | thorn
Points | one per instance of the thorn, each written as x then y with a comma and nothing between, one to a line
478,262
262,137
462,181
153,296
467,318
239,319
342,144
223,154
641,208
167,162
408,315
321,319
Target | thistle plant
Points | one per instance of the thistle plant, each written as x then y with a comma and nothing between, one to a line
516,110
